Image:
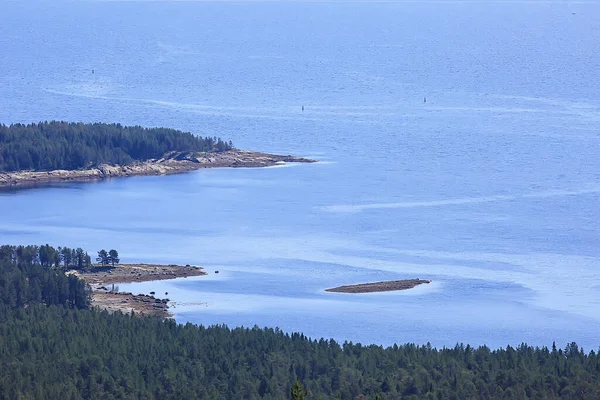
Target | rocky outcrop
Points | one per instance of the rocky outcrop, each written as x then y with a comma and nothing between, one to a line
127,273
126,302
171,163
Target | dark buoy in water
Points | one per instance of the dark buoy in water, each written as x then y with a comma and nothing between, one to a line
424,99
92,71
302,108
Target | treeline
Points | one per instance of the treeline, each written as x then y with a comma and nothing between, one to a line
26,278
49,257
62,145
61,351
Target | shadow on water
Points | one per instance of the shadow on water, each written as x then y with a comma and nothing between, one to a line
73,185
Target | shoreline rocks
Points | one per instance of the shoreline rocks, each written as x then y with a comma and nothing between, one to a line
170,163
106,296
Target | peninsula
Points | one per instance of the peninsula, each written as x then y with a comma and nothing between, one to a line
106,295
73,152
385,286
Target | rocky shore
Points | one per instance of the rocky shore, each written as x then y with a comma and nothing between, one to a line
386,286
106,295
141,304
171,163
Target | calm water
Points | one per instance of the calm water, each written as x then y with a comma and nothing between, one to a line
490,188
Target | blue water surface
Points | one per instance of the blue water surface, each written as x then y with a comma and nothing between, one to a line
490,188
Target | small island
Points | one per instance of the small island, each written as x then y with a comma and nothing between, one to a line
54,151
385,286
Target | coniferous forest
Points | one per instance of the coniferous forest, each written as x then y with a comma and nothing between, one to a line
53,345
62,145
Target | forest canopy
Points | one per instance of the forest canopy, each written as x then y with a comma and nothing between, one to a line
55,145
29,276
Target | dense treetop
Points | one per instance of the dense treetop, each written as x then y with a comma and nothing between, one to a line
63,145
51,347
28,275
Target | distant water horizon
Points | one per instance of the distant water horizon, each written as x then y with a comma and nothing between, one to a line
490,188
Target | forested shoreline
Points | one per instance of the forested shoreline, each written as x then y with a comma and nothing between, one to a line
53,345
55,145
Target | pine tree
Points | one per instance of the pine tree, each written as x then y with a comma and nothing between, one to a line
103,257
297,391
113,257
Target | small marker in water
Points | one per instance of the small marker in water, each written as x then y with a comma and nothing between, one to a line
424,99
302,108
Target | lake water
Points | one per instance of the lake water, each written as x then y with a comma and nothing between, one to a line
490,188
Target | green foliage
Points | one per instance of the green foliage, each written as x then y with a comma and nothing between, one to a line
52,347
103,257
28,275
113,257
297,391
108,257
91,354
49,257
62,145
